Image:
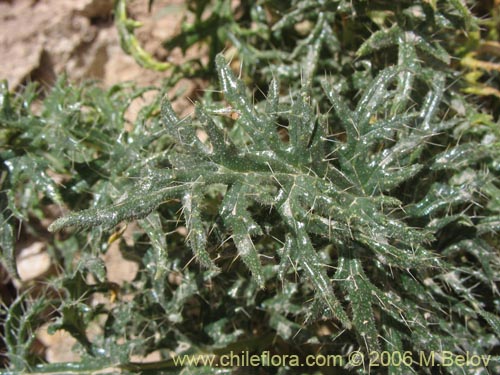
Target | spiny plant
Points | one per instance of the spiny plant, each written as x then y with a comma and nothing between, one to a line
78,135
75,136
361,196
325,191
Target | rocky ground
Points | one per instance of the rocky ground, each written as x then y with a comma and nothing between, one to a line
42,39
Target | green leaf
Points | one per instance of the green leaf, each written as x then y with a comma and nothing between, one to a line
134,208
7,246
237,218
353,281
197,237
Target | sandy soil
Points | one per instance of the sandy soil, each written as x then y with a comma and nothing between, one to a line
42,39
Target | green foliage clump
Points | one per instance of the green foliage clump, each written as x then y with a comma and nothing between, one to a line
355,204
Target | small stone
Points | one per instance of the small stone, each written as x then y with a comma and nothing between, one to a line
92,8
33,261
58,346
